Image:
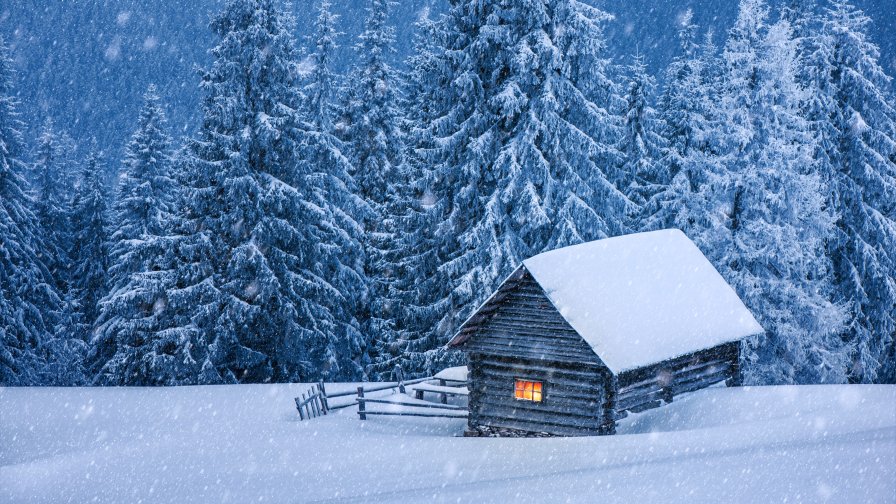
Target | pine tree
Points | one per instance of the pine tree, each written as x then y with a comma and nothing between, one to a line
692,165
855,124
28,295
130,345
526,141
252,206
778,218
375,138
419,304
329,168
641,143
51,202
90,242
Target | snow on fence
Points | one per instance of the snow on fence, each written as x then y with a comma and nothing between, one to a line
404,407
316,402
449,382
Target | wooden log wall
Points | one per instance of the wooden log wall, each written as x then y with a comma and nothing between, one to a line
520,321
650,386
575,400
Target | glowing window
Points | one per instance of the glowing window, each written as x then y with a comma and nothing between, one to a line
527,390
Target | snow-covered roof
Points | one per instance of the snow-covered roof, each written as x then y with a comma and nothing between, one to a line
642,298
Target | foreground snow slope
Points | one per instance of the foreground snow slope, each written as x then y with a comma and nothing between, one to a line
244,444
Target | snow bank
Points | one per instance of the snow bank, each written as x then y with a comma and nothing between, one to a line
642,298
222,444
455,374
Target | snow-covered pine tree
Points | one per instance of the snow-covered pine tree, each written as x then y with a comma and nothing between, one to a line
90,243
253,207
525,150
129,346
28,294
51,197
692,164
343,286
417,287
855,122
87,275
375,138
641,143
779,222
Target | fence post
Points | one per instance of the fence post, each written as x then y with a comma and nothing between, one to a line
444,395
315,407
299,407
398,375
323,397
361,407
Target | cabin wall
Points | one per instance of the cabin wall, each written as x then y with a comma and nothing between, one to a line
520,334
521,322
650,386
575,397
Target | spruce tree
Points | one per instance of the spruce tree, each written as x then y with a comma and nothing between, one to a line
328,170
28,298
51,196
855,123
779,222
419,302
130,346
375,138
641,143
90,243
693,159
252,206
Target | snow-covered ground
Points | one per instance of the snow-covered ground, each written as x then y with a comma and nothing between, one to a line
245,444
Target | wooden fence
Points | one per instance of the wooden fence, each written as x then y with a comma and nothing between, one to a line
411,408
313,403
316,402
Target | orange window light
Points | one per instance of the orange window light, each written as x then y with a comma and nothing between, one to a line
527,390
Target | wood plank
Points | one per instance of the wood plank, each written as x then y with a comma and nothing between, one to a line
531,326
361,407
577,409
697,384
570,378
377,388
299,407
455,391
431,415
415,405
722,352
631,402
538,364
535,354
520,340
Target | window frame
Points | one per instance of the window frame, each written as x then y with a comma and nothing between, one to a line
533,381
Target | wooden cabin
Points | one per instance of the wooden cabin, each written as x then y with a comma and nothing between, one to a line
577,337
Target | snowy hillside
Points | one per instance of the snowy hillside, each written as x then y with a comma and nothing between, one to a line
244,443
